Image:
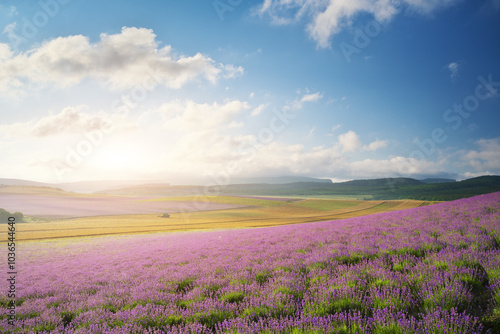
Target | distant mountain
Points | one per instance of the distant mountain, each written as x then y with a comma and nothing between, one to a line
379,189
381,183
482,181
18,182
81,187
278,180
437,180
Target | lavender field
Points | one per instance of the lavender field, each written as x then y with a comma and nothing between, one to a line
433,269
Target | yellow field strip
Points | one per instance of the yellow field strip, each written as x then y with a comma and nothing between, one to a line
291,213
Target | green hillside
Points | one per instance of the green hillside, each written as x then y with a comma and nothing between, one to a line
376,189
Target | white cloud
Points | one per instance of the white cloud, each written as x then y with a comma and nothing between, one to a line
329,17
486,159
429,6
119,61
339,14
71,120
453,68
377,144
232,71
349,141
5,52
9,28
258,110
395,166
191,117
311,133
298,103
192,141
278,158
311,97
336,127
68,120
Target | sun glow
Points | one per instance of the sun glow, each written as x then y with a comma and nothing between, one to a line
117,159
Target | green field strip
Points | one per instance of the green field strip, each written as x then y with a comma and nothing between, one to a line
221,200
325,204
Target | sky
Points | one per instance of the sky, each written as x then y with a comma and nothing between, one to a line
205,91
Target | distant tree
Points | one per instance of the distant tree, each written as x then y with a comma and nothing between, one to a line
4,216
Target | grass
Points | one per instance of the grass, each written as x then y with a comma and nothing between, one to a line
256,216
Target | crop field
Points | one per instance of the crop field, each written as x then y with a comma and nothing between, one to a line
43,202
256,213
431,269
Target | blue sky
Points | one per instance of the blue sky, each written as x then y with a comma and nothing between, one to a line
192,91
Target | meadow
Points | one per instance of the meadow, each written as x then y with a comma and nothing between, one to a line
205,213
52,204
431,269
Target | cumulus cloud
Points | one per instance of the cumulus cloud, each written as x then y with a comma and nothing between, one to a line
329,17
486,158
191,117
120,61
339,14
377,144
202,143
395,167
279,158
5,52
71,120
349,141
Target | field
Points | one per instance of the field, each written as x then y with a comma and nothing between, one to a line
432,269
245,213
42,202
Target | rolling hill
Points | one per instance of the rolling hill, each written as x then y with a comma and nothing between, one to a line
377,189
